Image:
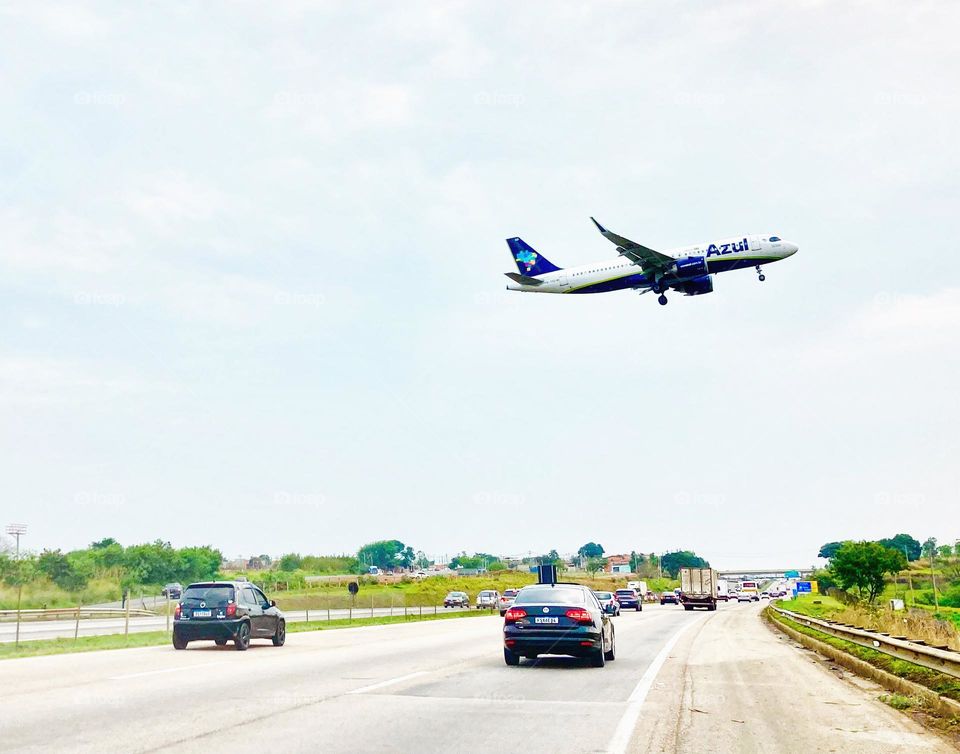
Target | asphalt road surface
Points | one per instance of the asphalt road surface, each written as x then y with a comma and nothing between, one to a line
698,682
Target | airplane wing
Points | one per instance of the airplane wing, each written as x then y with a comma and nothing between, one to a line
648,259
523,279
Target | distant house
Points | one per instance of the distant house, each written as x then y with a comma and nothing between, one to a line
255,564
618,564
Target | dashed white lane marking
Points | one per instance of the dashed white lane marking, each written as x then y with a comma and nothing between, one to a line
624,731
389,682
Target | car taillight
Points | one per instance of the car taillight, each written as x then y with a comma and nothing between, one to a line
514,614
580,615
231,609
176,612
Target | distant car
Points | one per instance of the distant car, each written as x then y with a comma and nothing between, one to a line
629,598
488,599
456,599
506,600
172,591
224,611
608,601
563,619
765,595
671,597
747,597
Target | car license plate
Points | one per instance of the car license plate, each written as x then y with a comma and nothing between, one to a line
202,613
546,620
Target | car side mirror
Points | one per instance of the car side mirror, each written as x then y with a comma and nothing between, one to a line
273,603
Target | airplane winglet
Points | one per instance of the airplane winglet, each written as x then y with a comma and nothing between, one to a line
599,226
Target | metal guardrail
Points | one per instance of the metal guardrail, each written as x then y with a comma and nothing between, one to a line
62,613
935,658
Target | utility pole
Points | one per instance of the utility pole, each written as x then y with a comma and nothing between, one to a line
18,530
909,575
933,580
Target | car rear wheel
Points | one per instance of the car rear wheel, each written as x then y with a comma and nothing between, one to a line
242,639
612,653
510,657
179,643
281,635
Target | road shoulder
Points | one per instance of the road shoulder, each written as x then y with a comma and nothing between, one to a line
732,684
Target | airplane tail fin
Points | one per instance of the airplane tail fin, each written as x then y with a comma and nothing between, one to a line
529,262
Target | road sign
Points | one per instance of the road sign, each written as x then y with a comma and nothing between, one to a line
791,575
804,587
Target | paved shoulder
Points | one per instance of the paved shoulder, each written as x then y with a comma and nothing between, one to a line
731,684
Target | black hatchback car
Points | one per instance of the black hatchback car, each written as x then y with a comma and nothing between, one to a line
629,599
225,611
558,619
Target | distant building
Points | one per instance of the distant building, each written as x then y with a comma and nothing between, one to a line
255,564
618,564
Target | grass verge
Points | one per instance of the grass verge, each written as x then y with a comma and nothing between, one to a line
41,647
943,685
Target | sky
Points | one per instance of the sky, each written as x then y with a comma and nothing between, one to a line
252,292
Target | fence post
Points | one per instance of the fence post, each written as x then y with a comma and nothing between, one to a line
76,627
126,619
371,605
391,604
328,614
19,595
168,610
308,615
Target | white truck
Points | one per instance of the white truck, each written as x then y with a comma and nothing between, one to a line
698,588
723,590
640,586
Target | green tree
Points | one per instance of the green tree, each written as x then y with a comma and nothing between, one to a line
595,564
290,562
956,548
945,551
864,566
422,562
199,564
385,554
829,550
67,573
591,550
930,547
674,561
904,543
636,561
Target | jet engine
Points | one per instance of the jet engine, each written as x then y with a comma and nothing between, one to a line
691,267
698,286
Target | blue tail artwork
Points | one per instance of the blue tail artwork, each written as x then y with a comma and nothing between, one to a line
529,262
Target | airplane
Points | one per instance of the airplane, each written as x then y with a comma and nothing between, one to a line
689,269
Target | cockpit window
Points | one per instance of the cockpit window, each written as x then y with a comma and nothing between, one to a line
774,239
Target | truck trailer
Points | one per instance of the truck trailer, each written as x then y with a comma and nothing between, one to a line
698,588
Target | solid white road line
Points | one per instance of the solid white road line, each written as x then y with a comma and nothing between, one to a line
624,732
390,682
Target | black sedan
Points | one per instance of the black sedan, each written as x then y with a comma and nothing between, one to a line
558,619
628,598
224,611
669,597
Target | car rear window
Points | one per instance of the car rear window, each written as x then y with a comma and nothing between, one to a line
603,595
510,593
556,595
626,592
219,594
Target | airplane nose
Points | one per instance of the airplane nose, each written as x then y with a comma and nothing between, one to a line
791,249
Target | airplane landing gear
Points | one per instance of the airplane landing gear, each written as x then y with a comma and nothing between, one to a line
662,300
760,274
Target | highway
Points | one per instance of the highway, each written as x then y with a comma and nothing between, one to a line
54,629
682,682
